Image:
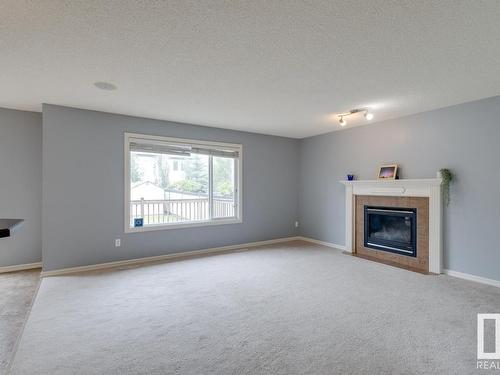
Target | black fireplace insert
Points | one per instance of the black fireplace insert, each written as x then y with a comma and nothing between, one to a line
391,229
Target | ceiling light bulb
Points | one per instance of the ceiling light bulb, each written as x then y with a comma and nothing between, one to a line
368,115
342,122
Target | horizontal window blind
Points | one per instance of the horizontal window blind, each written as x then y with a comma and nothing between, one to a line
182,149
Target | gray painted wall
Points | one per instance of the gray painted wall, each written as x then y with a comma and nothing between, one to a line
21,185
83,189
464,138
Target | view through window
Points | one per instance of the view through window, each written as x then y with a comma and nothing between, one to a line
174,182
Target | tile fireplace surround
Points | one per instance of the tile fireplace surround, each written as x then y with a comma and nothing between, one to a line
383,192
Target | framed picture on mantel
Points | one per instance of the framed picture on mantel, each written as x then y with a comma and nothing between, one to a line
388,172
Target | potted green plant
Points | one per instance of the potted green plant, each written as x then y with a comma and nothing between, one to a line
446,177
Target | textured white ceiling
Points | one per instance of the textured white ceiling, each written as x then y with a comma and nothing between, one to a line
276,67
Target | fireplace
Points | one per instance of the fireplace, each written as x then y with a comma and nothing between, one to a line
391,229
422,198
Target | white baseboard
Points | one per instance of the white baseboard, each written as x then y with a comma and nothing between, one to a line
468,276
329,244
20,267
158,258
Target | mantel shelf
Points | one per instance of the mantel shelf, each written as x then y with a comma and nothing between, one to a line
403,182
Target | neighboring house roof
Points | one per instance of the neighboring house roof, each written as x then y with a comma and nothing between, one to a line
146,190
139,183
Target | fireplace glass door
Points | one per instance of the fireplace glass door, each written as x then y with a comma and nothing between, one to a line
391,229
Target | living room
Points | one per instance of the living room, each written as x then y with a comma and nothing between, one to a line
269,187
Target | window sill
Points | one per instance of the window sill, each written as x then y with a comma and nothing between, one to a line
192,224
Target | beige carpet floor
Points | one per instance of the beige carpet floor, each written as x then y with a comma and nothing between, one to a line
293,308
16,293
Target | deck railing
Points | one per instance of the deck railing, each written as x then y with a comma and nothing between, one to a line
179,210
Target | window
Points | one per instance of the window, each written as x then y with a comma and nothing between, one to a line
172,183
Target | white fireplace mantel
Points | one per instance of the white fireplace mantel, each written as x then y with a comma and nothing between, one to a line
430,188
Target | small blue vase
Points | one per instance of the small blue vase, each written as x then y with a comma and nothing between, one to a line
350,177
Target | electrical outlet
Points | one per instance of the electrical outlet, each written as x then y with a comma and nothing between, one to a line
296,224
118,242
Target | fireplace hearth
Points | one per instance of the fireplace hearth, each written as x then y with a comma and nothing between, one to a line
391,229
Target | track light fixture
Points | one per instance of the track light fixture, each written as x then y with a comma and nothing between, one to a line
368,115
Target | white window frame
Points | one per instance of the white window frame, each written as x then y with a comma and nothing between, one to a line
238,183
